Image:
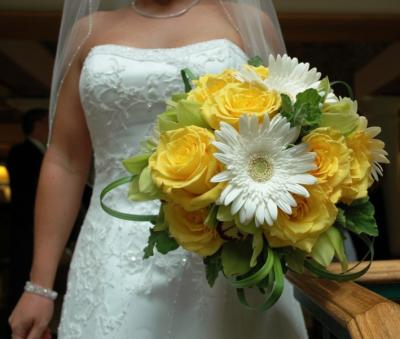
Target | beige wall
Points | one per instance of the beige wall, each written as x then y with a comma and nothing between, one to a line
351,6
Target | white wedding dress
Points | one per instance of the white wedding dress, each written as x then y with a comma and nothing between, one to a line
112,291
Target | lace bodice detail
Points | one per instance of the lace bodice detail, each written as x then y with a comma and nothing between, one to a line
124,88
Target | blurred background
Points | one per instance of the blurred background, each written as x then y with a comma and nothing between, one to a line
355,41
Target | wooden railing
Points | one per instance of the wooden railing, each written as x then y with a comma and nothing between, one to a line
349,310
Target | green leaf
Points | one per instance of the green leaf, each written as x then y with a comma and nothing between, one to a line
305,112
323,251
187,77
340,218
189,113
149,249
213,267
336,240
324,88
255,61
295,260
176,97
224,213
148,146
287,109
211,219
135,194
161,224
249,228
146,184
230,231
162,241
330,244
257,245
165,243
167,122
136,164
359,217
236,256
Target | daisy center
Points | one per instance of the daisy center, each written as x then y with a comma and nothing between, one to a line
260,168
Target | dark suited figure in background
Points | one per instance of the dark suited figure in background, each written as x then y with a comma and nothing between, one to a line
24,162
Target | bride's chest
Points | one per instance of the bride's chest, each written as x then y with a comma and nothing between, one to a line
122,89
131,80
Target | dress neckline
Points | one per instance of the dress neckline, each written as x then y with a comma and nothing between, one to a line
195,46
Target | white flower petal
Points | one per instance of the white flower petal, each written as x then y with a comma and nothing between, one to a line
237,204
304,179
284,207
232,195
256,193
287,75
273,209
221,177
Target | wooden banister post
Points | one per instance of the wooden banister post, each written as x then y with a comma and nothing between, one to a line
348,309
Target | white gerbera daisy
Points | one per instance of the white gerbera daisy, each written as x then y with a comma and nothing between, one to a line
262,171
286,75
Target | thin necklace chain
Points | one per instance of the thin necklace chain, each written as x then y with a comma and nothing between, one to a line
163,16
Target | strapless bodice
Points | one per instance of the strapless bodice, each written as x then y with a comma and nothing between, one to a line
124,88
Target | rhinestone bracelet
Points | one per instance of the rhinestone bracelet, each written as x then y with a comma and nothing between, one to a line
39,290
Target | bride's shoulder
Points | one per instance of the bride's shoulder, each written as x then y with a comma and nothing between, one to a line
97,25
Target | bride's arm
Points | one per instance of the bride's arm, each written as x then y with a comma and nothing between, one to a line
63,175
62,179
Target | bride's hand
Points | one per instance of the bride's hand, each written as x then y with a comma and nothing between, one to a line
31,317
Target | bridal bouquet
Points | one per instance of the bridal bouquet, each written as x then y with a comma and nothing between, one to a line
259,171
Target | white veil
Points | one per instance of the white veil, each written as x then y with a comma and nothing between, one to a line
255,20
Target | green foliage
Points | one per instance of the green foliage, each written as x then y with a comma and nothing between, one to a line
329,245
162,241
176,97
135,194
358,217
187,77
236,256
337,240
211,220
323,252
213,267
189,113
295,260
324,88
181,114
224,213
142,187
136,164
249,228
255,61
305,112
257,246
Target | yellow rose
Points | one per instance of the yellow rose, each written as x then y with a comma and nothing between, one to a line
360,169
183,165
312,217
235,99
189,230
333,160
209,84
261,71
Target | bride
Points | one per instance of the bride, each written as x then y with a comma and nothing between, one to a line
114,70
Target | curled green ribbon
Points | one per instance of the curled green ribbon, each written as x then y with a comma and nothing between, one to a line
275,287
118,214
323,273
